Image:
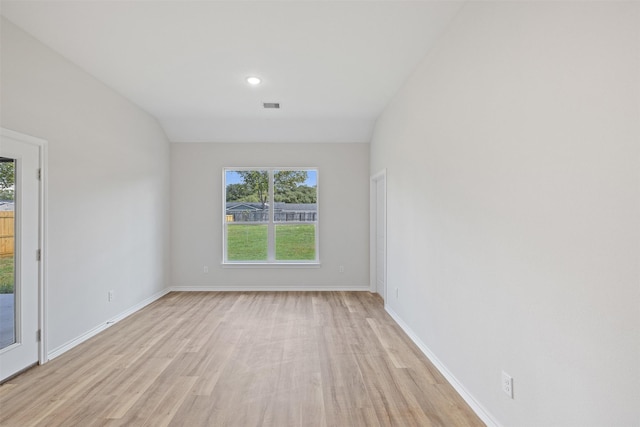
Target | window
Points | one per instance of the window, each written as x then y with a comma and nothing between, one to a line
270,216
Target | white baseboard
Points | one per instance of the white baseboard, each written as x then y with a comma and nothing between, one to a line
91,333
252,288
480,410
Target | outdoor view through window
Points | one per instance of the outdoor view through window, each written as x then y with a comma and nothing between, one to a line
7,255
271,215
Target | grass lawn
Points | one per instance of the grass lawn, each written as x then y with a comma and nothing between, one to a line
6,275
296,242
249,242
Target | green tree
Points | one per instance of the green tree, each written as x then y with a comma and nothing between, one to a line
288,180
237,193
7,180
256,184
301,194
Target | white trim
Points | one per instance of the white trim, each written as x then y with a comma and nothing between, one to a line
258,288
43,212
373,209
476,406
101,327
44,252
380,174
247,264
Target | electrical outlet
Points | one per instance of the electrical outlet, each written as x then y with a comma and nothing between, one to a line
341,269
507,384
205,269
110,296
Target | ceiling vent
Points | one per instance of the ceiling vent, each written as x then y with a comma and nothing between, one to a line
271,105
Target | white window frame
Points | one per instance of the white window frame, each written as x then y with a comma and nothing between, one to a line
271,223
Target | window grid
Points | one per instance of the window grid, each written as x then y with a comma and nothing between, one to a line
273,224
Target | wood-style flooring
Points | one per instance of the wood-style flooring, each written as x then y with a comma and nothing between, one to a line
241,359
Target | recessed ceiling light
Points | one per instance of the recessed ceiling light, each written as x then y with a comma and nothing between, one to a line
253,81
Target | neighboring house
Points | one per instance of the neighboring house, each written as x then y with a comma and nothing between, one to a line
255,211
233,207
246,212
296,211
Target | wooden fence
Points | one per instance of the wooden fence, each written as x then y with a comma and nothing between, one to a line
263,216
7,227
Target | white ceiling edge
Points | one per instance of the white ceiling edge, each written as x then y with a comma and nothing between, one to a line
235,130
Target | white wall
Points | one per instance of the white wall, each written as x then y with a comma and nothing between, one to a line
196,211
513,160
108,186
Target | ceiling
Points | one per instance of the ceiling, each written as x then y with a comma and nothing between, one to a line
332,65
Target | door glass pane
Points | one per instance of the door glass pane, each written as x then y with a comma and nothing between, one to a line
7,253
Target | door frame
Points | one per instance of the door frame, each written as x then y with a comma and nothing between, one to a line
373,238
42,234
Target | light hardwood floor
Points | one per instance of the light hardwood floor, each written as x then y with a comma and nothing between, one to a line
241,359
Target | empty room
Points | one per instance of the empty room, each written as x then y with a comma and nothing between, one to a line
320,213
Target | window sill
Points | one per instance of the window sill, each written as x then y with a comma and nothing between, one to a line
271,265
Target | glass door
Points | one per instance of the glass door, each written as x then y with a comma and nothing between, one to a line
7,252
19,253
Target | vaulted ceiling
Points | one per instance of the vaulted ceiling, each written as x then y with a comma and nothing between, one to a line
332,65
